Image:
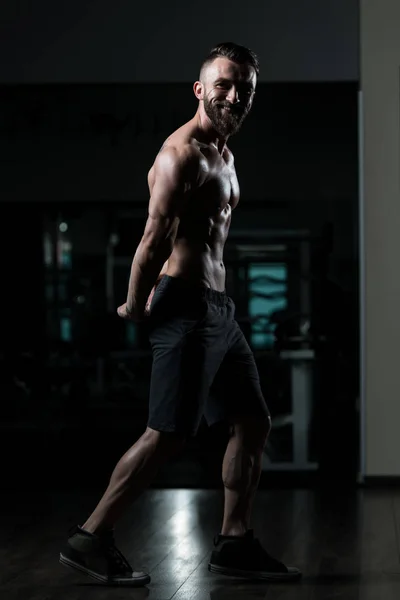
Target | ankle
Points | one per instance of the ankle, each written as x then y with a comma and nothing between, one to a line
234,530
95,530
88,529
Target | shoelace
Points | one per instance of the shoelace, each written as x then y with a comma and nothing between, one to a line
118,558
254,546
108,543
259,548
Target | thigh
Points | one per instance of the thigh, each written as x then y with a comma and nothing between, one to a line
236,391
184,366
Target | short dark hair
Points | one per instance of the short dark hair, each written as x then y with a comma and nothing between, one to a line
238,54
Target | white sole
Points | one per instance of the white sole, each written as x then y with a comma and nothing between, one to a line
264,576
122,582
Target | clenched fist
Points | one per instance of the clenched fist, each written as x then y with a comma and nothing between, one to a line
124,313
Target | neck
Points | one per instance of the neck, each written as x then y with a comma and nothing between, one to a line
208,133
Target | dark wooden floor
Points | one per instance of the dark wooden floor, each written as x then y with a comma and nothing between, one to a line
346,543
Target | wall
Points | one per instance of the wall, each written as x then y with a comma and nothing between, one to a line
125,41
97,142
380,226
297,152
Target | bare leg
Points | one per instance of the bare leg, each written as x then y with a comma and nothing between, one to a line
132,475
241,472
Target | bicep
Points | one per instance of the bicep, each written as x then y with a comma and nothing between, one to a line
164,213
160,228
172,182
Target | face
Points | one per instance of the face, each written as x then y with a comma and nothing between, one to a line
227,91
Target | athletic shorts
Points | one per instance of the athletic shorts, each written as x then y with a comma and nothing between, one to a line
202,363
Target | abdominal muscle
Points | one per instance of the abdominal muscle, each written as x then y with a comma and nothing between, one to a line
198,264
202,268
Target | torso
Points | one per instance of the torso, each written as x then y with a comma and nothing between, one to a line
204,224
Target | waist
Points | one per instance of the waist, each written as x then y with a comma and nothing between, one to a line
198,262
187,288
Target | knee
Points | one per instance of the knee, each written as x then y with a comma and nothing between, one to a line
164,444
254,433
267,427
263,431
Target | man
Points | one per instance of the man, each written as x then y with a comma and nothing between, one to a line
177,283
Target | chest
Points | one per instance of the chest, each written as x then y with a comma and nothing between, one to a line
219,189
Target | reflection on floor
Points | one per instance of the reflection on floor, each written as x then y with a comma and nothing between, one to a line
345,542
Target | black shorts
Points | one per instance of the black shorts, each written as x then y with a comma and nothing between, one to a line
202,363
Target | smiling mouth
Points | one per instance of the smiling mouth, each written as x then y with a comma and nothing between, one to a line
234,111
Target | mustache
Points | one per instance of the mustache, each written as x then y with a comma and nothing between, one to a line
232,108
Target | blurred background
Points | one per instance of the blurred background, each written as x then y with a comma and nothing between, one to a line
87,96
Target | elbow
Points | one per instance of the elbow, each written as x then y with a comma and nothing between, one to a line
157,250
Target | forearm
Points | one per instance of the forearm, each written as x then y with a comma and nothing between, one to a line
163,271
147,266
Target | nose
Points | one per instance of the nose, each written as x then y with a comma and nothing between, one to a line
233,95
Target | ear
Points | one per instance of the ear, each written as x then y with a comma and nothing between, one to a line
198,89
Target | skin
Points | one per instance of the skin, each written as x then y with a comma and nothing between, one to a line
193,191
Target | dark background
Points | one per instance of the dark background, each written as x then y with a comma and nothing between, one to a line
79,129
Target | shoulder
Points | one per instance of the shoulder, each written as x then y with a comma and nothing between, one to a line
180,161
228,156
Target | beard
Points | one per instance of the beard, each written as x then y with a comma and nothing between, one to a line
225,122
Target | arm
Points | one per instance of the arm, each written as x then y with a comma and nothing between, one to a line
162,272
150,298
175,173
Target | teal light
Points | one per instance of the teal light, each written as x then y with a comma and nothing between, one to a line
65,329
266,280
131,335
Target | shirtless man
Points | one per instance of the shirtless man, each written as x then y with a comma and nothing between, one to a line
177,284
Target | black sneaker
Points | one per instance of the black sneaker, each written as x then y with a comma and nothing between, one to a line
245,557
97,556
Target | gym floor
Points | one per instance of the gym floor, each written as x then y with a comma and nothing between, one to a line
346,542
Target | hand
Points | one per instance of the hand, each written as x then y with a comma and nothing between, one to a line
125,314
149,299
